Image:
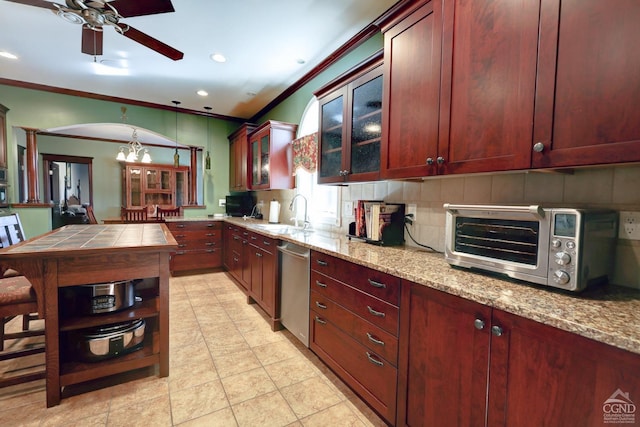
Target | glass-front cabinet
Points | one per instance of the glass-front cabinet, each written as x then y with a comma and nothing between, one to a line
351,124
270,156
154,185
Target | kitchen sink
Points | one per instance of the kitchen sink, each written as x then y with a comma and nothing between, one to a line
280,228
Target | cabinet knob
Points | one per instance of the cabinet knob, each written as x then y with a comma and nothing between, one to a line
538,147
429,161
497,331
479,324
440,160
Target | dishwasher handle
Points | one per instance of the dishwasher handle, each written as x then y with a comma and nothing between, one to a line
285,250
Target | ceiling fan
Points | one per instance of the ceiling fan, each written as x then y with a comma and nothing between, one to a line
93,15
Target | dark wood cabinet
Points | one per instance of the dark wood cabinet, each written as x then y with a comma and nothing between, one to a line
263,287
488,85
236,249
351,124
199,245
354,328
588,85
239,157
270,164
411,100
468,364
146,185
3,136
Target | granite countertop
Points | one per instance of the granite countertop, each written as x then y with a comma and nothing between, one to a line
608,314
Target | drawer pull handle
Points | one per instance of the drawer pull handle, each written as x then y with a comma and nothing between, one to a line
210,234
182,245
266,243
179,236
236,237
180,225
210,244
374,339
258,254
374,360
321,305
377,284
209,225
375,313
209,251
180,253
254,238
236,259
322,263
322,285
321,321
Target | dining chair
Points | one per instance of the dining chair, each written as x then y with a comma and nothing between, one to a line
17,298
162,213
133,214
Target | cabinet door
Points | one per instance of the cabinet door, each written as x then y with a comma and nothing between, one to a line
332,138
540,375
445,359
260,151
134,184
488,85
3,136
269,282
365,126
588,83
411,99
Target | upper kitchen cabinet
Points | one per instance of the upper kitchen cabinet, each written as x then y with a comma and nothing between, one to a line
411,100
239,157
588,84
488,85
350,124
270,160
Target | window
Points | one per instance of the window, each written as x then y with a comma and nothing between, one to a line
323,200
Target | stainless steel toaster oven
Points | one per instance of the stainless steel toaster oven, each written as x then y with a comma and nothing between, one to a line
558,247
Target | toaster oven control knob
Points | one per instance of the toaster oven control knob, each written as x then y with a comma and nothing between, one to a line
556,243
563,258
561,277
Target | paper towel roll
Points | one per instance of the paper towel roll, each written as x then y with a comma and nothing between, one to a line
274,212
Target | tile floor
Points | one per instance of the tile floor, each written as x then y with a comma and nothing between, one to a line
227,369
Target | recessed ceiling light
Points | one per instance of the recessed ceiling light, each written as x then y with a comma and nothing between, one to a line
300,61
218,57
5,54
115,63
251,93
202,92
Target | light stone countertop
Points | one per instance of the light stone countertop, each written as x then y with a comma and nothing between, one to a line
609,314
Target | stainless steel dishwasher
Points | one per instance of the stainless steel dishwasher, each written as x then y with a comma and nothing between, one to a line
294,290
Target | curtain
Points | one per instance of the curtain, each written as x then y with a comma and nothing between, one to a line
305,153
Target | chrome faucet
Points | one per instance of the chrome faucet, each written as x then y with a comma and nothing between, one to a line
295,217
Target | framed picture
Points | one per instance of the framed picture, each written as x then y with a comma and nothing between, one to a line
68,176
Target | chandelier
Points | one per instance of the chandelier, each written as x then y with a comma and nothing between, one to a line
130,152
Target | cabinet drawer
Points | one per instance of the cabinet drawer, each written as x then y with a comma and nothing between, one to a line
263,242
381,285
372,337
183,235
370,372
374,310
194,260
193,225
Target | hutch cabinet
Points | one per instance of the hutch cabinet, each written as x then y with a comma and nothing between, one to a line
469,364
146,185
270,163
350,124
239,157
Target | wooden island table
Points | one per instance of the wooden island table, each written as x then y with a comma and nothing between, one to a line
88,254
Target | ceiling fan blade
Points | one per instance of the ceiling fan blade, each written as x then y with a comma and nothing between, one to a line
150,42
91,41
129,8
37,3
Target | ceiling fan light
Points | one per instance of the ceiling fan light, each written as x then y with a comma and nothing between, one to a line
70,17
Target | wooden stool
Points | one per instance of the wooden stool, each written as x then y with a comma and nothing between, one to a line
17,298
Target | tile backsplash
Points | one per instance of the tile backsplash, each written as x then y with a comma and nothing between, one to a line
612,187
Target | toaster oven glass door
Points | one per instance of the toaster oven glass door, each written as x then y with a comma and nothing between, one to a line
501,239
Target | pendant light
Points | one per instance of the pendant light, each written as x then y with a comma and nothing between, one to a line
176,156
207,160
